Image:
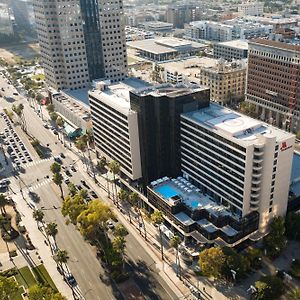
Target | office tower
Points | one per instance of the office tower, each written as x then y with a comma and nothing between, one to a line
60,32
93,38
249,8
81,40
178,15
273,83
159,109
235,177
113,39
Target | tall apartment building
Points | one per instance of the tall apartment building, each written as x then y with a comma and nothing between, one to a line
81,40
273,83
227,81
251,8
180,14
235,177
113,39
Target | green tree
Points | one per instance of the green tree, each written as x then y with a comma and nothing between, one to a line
38,215
53,116
119,246
212,262
8,288
269,288
174,243
102,163
55,168
39,292
3,203
92,221
157,218
114,168
254,256
275,241
58,180
51,230
50,108
83,193
120,230
123,196
60,124
80,144
292,225
61,258
72,189
73,206
294,294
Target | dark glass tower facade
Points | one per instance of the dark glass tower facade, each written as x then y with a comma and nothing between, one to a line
92,36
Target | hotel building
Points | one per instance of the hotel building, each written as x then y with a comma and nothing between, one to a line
235,177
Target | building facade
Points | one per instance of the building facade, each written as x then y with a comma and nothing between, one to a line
113,39
235,178
159,110
273,83
115,127
230,50
81,41
251,8
178,15
227,81
61,38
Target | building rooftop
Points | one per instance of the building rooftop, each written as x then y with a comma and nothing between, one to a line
165,45
117,95
190,65
234,125
239,44
172,91
275,44
157,24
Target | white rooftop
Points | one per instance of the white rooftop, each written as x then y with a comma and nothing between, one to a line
232,124
240,44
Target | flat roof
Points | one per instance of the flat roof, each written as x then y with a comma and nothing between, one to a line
275,44
232,124
80,95
164,45
239,44
117,96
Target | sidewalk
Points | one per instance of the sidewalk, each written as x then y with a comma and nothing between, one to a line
43,250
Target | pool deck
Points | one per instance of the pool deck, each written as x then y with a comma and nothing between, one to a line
189,194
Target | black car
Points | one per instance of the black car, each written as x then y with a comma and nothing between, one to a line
79,187
62,155
93,194
68,173
71,280
73,169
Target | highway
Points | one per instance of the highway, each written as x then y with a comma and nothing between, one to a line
83,262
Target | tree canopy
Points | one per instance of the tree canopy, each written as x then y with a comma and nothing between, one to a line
38,292
268,288
8,288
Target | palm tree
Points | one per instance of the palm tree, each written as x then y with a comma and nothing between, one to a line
3,202
157,218
58,179
61,258
80,144
102,163
123,196
38,215
134,199
174,243
55,168
60,124
114,167
51,230
119,244
294,294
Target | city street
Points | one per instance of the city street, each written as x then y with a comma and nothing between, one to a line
83,262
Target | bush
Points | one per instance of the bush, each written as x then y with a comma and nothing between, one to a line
13,253
269,288
9,273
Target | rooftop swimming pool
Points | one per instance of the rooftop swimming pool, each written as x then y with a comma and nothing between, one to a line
166,191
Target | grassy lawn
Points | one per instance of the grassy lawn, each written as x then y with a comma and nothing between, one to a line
131,60
25,277
43,276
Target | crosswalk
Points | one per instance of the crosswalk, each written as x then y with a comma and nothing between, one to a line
15,187
39,184
36,162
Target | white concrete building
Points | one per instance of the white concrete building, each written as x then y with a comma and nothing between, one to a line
61,40
113,39
251,8
115,127
242,163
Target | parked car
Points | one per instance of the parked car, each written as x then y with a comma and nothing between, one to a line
71,280
93,194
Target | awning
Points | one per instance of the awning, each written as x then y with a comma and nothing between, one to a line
199,237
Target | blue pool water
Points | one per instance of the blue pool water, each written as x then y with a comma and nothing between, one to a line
194,204
295,186
166,191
